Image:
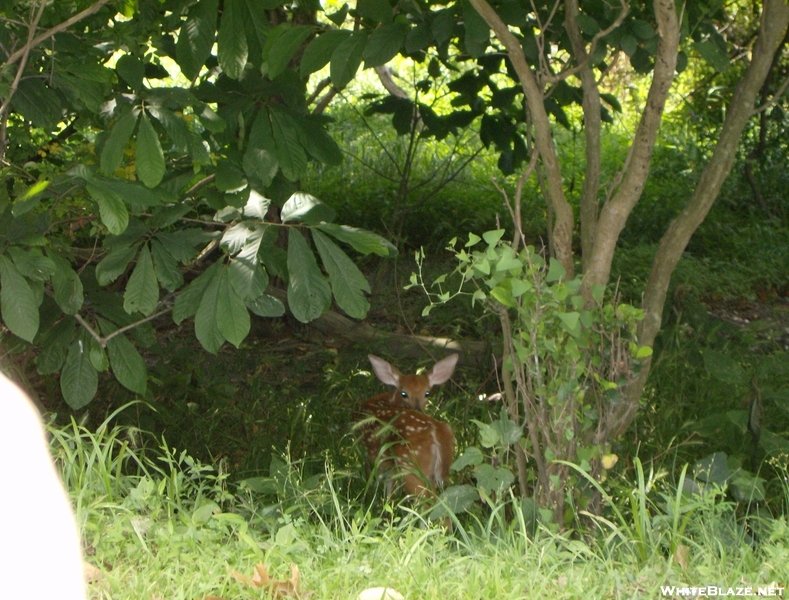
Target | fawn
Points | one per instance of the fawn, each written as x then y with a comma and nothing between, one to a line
415,444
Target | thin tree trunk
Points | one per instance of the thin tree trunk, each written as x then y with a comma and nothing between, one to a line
773,27
563,212
615,212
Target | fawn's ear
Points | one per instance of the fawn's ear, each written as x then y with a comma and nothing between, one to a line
442,370
384,371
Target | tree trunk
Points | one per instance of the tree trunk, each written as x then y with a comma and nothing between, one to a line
773,26
563,212
636,169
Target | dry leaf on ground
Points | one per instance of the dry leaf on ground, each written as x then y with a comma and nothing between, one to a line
290,588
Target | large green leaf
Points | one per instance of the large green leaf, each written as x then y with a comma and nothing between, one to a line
127,364
66,285
260,158
319,51
245,272
290,153
346,58
384,44
54,346
32,263
188,301
78,378
134,192
38,103
305,207
309,294
347,281
714,54
18,302
362,241
285,47
197,37
232,316
166,267
114,264
377,10
112,154
232,41
150,158
266,306
318,143
175,126
112,209
142,291
206,326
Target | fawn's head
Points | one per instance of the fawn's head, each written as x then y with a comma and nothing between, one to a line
413,391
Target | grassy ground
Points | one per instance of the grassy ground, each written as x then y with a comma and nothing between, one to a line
158,524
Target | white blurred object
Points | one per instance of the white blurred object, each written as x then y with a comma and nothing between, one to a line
41,548
379,593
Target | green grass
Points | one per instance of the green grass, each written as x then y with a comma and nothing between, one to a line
159,524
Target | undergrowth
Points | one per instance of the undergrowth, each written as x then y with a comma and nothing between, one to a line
157,523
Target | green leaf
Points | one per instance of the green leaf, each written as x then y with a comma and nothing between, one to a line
456,499
127,364
245,273
309,294
643,352
37,102
18,303
319,51
346,59
78,379
570,321
492,237
493,479
197,37
472,456
266,306
231,313
131,70
112,209
232,41
260,158
384,44
114,264
320,145
54,346
629,44
66,285
134,192
257,206
725,369
206,326
98,358
150,158
112,154
32,263
175,126
347,282
555,271
166,267
285,47
290,153
361,240
306,208
142,291
188,301
587,24
612,101
713,54
235,237
377,10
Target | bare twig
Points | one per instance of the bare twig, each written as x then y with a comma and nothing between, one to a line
93,8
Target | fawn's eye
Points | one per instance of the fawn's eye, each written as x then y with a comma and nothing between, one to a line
404,394
427,393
